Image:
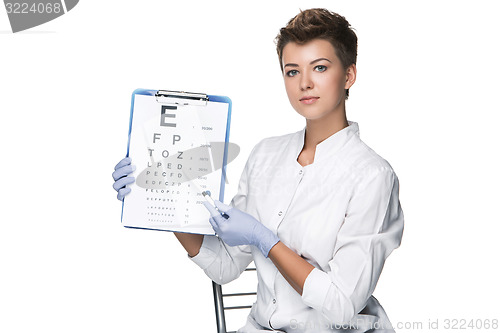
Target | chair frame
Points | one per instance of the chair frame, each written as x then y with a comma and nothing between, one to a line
220,308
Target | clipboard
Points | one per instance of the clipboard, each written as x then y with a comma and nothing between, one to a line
179,143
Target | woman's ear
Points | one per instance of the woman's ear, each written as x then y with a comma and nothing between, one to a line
350,76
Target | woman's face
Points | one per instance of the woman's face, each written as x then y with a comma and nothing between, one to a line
315,80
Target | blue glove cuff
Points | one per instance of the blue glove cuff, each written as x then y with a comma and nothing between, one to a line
266,240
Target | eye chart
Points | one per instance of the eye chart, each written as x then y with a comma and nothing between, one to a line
178,151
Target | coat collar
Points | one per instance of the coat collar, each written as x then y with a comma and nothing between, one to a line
328,146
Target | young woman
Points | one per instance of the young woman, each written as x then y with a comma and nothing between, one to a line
316,210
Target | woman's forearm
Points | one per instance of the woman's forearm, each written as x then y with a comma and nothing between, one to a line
190,242
293,267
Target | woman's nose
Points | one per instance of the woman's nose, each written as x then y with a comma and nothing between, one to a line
306,82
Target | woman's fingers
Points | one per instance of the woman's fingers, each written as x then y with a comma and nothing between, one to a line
125,161
213,223
123,192
222,206
211,209
123,171
122,182
122,177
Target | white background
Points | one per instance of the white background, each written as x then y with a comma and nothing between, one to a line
426,99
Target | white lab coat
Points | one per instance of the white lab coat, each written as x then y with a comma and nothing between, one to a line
341,213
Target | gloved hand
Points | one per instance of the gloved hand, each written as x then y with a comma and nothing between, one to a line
240,228
123,178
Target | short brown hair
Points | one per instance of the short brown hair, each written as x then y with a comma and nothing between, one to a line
320,23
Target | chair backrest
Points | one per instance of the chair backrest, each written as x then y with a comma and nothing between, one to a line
233,297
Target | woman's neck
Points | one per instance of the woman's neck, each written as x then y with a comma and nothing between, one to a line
318,130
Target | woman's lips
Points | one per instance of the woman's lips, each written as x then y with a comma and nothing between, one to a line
309,99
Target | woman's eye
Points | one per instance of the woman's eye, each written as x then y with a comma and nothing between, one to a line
293,72
320,68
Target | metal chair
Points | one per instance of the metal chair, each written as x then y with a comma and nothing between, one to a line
220,309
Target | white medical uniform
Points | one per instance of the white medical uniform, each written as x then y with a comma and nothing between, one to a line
341,214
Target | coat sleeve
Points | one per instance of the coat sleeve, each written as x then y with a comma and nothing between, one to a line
372,229
221,262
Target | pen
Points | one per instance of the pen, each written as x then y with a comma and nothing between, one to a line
207,196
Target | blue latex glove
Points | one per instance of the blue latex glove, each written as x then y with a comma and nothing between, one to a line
240,228
122,177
